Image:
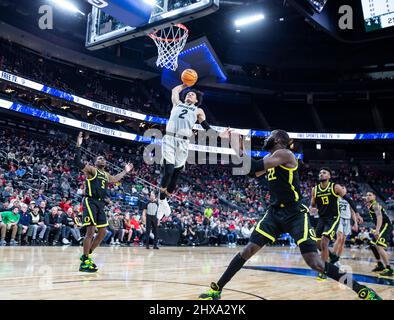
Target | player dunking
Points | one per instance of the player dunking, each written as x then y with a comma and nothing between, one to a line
383,231
285,214
97,180
175,143
325,196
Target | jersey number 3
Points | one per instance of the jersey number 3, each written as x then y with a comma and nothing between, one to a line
324,200
182,115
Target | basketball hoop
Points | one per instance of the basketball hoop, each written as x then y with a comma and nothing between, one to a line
170,42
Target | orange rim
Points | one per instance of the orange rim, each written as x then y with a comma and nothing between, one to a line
179,25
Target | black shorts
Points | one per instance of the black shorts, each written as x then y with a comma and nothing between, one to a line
384,235
93,213
327,226
293,219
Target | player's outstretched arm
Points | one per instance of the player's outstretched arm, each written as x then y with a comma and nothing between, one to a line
355,219
120,176
313,210
202,120
175,97
279,157
88,170
341,191
236,142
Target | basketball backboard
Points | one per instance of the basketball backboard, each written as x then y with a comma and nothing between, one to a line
104,30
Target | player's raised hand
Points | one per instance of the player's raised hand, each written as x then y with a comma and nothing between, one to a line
226,133
79,139
128,167
236,143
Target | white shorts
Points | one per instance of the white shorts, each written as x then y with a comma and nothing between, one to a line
344,226
175,150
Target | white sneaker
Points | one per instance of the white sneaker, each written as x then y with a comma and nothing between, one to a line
164,209
65,241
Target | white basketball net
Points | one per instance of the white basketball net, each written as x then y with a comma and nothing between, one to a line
170,42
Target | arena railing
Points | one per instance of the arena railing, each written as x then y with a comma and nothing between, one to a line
9,77
81,125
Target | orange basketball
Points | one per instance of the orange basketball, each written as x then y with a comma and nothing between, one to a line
189,77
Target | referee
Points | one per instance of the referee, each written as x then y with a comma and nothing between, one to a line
149,218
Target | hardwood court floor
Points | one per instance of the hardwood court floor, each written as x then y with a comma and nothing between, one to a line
173,273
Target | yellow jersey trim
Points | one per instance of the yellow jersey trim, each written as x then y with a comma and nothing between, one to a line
333,191
265,234
291,177
328,186
90,212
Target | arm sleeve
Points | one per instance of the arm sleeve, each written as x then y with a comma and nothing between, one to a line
205,125
256,165
349,200
77,160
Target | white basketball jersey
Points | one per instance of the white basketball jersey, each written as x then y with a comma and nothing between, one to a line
182,119
344,208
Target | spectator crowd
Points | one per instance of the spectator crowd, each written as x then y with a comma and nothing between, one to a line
41,192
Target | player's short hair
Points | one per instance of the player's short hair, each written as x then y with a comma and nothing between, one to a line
326,169
100,155
199,96
283,136
373,192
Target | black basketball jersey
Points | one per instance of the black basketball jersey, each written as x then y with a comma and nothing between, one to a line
372,213
327,201
96,187
284,185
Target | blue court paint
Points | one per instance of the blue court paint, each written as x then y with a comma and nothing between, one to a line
311,273
371,259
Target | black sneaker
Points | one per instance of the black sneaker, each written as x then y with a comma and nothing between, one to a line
322,277
90,261
212,294
333,258
368,294
387,273
86,266
378,268
156,247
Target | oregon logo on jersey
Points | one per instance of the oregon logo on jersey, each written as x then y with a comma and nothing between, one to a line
312,233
